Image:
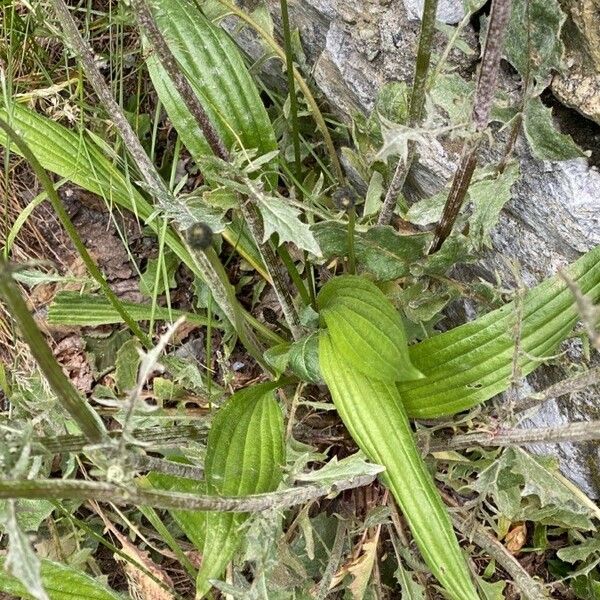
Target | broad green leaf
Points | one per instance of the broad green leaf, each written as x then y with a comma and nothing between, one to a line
533,40
472,363
216,71
380,250
245,455
365,328
453,94
373,414
429,210
545,141
72,308
587,587
488,196
281,218
61,582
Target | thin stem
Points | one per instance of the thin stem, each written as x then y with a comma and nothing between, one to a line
462,520
289,61
351,254
485,91
216,279
182,85
108,492
417,103
87,420
335,556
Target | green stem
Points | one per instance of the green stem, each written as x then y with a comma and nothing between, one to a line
351,254
85,417
415,114
289,60
66,222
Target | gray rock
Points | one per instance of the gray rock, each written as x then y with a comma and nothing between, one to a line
448,11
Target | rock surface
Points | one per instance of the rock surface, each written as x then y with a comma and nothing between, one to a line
358,45
579,87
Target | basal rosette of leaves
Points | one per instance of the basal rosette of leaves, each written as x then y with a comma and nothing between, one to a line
362,354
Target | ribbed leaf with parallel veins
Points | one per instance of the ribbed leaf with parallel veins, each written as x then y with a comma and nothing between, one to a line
472,363
245,455
366,328
372,411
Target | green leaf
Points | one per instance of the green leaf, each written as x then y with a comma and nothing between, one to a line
60,582
72,308
281,218
372,411
150,285
216,71
365,328
127,365
472,363
488,197
545,141
304,358
454,94
411,590
373,200
380,250
492,591
580,552
335,470
245,455
393,102
533,40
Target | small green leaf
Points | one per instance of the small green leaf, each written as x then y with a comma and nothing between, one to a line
373,200
304,358
150,284
335,470
281,218
60,582
127,365
393,102
365,328
546,142
580,552
488,196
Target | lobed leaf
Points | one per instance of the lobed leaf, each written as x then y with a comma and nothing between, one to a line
365,328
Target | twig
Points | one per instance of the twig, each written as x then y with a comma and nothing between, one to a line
417,102
588,312
567,386
573,432
107,492
527,586
485,90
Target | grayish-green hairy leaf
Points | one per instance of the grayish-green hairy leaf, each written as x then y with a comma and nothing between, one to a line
533,39
380,250
545,141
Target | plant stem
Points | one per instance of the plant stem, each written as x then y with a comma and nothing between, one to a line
351,254
87,420
133,495
289,61
463,521
485,91
573,432
215,277
417,103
